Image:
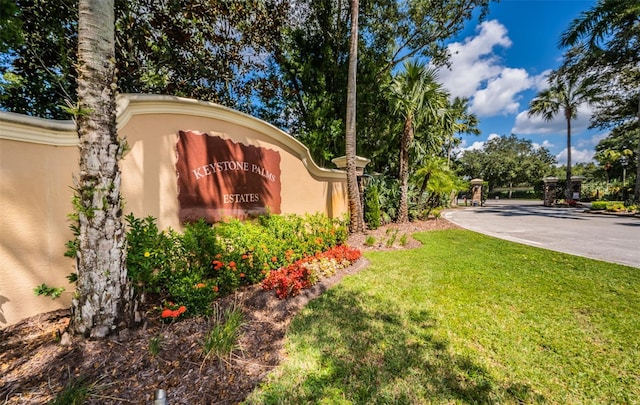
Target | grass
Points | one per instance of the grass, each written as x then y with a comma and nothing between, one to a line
467,319
222,339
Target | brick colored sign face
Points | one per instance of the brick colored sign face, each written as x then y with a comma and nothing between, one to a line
218,178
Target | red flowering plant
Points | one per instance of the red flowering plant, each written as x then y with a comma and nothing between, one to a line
290,280
171,311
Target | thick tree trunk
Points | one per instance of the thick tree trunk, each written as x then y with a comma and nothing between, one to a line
102,303
356,224
405,142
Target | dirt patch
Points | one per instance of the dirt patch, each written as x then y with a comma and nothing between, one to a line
34,366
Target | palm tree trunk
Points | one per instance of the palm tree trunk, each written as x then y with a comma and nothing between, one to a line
405,142
636,190
102,303
568,194
356,224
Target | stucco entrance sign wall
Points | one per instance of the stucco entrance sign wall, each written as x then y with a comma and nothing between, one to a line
218,178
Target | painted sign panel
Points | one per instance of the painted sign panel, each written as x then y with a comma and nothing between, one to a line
219,178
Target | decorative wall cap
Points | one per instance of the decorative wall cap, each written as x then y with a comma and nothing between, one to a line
361,162
25,128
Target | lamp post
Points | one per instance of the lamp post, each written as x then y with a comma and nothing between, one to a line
361,162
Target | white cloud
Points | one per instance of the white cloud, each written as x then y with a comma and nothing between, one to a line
473,61
577,156
501,94
544,144
558,125
477,145
477,73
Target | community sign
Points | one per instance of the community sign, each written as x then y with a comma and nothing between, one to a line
219,178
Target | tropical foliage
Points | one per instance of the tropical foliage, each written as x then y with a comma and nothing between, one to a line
565,94
602,45
507,161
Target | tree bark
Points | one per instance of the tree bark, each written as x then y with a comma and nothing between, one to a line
636,190
356,223
103,300
568,193
405,142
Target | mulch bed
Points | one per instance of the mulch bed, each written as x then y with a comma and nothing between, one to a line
35,366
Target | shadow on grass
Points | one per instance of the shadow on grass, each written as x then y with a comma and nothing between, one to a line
366,352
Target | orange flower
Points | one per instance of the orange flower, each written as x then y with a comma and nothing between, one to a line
241,275
167,313
215,288
274,259
218,256
232,264
245,257
182,309
217,264
200,285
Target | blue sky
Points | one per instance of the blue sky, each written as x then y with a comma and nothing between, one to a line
503,62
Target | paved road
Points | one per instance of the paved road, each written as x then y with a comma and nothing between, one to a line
569,230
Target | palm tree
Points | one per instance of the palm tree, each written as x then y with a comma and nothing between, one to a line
565,94
419,99
610,30
102,301
607,38
356,223
458,120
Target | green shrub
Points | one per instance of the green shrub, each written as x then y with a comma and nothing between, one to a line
612,206
392,234
616,207
599,205
189,271
403,239
370,240
372,213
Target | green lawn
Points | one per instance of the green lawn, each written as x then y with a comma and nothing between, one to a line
467,319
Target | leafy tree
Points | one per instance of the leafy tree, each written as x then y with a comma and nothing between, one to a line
615,162
10,24
565,94
208,50
507,161
201,49
313,65
458,121
418,98
103,300
39,70
438,180
603,44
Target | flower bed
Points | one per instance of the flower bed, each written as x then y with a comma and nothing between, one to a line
290,280
188,271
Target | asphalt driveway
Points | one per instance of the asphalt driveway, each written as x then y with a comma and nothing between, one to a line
570,230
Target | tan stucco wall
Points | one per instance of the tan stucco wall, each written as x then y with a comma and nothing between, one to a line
39,157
